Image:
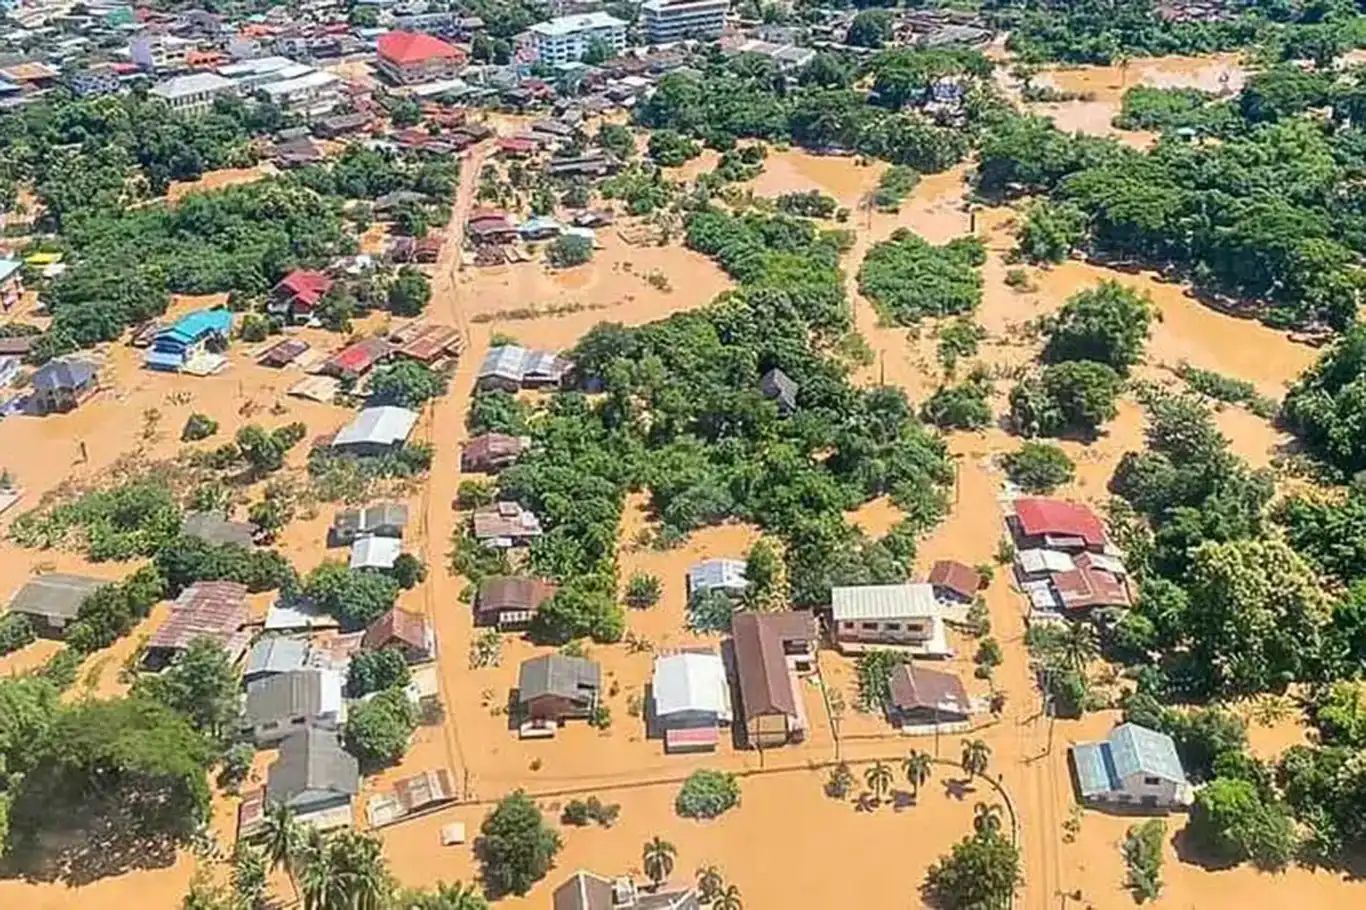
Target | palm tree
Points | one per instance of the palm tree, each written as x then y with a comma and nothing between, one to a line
728,900
976,754
360,876
1078,646
283,839
313,862
986,819
917,767
444,897
658,859
710,884
879,778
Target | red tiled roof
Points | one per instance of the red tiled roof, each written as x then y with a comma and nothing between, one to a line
358,357
1056,518
307,286
414,47
961,579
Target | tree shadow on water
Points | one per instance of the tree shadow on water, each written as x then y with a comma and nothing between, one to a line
80,856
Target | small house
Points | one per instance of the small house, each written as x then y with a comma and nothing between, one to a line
357,358
376,431
298,294
724,575
486,226
510,367
1096,581
954,581
1054,524
1133,766
428,249
770,648
490,453
216,610
902,616
590,165
401,248
9,368
316,778
505,524
273,655
691,698
516,147
288,702
409,795
427,342
778,387
383,519
283,353
53,601
192,335
922,697
63,385
216,528
541,227
555,687
510,603
375,553
410,633
590,891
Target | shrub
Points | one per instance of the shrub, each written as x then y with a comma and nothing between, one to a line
908,278
254,328
959,407
1039,467
1143,857
377,730
569,250
707,794
471,494
198,426
16,631
643,590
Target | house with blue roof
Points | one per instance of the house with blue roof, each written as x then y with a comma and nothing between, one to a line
201,330
1133,766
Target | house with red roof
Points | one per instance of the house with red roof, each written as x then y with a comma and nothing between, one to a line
298,294
409,58
1054,524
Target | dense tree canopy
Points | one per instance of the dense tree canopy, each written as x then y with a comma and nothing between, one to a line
908,278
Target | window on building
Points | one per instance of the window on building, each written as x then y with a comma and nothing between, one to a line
869,626
1152,781
892,626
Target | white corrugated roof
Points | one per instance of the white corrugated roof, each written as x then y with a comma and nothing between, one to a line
382,426
375,552
568,25
182,86
691,682
1032,562
884,601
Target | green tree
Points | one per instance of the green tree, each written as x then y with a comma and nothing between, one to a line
1073,396
1049,231
728,899
377,731
515,847
409,293
569,250
1106,324
981,871
707,794
1231,820
198,426
1037,467
355,597
458,896
765,574
710,884
249,876
201,684
282,839
1143,857
976,755
870,28
407,384
917,767
375,671
986,818
879,779
643,590
597,53
657,859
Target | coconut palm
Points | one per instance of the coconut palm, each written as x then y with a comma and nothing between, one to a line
986,819
976,754
658,859
283,840
728,900
917,767
710,884
879,778
1077,646
313,863
359,875
444,897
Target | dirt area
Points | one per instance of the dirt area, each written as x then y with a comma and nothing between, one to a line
218,179
787,844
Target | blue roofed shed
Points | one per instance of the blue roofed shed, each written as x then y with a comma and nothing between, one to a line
1132,766
172,345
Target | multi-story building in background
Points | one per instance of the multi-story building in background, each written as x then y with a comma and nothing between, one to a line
567,39
676,20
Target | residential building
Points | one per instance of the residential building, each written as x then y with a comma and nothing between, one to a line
160,52
490,453
954,581
375,553
1132,766
409,795
1096,581
288,702
568,38
770,650
426,342
216,528
921,697
53,601
666,21
313,94
216,610
778,387
490,226
273,655
383,519
1054,524
505,524
191,336
555,687
510,367
255,72
357,358
511,603
95,81
375,431
11,283
905,616
315,777
724,575
193,94
691,700
408,632
594,164
283,353
298,294
590,891
63,385
409,58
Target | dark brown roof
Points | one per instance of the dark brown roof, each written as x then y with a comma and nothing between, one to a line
206,609
760,662
426,342
491,447
1089,586
957,577
915,687
397,626
283,353
508,593
18,345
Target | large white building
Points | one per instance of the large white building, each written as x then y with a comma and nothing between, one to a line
193,94
567,39
295,87
675,20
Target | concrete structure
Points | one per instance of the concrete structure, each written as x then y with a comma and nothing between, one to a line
383,519
676,20
725,575
554,687
410,58
568,38
898,616
311,95
510,367
316,778
1133,766
770,649
375,553
174,346
195,93
510,603
288,702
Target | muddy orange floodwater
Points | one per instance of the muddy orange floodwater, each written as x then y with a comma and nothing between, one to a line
787,845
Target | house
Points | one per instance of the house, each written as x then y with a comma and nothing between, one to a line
215,528
315,777
491,452
426,342
273,655
357,358
667,21
568,38
724,575
516,147
428,249
341,124
505,524
53,601
11,284
778,387
487,226
541,227
902,616
691,700
375,431
409,795
297,152
554,687
510,603
768,648
215,610
410,58
63,385
1132,766
174,346
408,632
921,697
298,294
193,94
590,891
283,353
375,552
383,519
955,582
510,367
288,702
1053,524
401,249
594,164
1095,581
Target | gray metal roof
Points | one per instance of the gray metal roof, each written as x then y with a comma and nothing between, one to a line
557,674
1138,750
375,552
778,385
386,425
63,374
215,527
515,363
726,574
884,602
276,654
56,595
297,693
312,763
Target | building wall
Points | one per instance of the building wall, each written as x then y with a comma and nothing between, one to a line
894,631
268,733
766,731
416,73
570,48
699,21
1158,791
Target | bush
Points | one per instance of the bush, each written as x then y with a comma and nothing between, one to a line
375,671
1039,467
1143,857
707,794
643,590
377,731
254,328
569,250
236,765
959,407
1106,324
198,426
1050,231
811,204
471,494
1076,396
981,871
16,631
907,278
1233,823
669,148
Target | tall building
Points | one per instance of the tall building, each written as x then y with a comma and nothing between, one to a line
567,39
193,94
675,20
409,58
